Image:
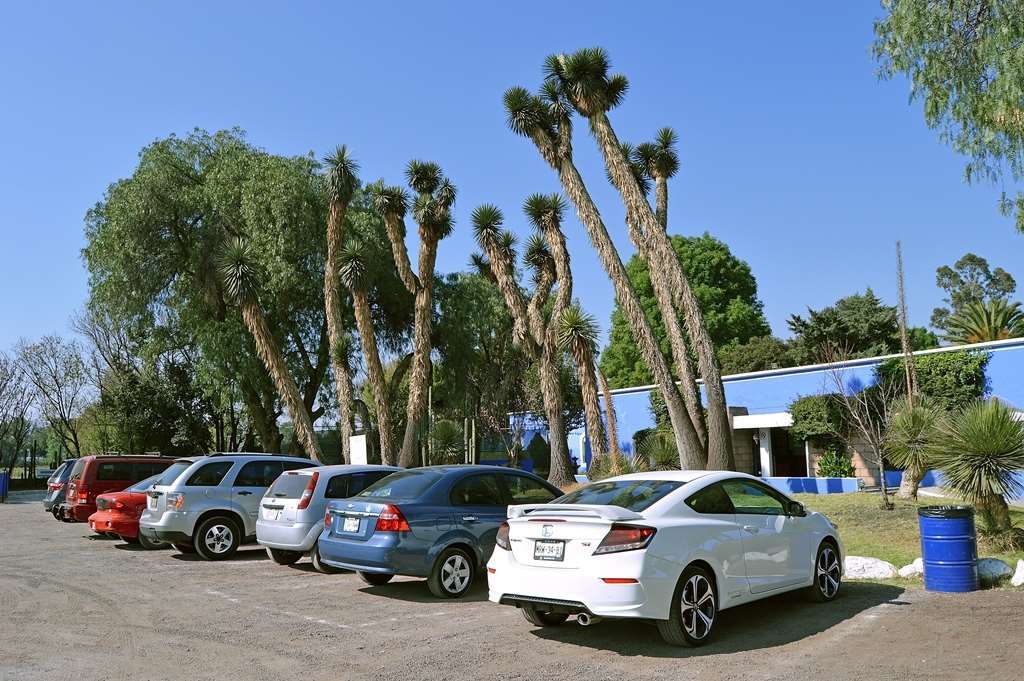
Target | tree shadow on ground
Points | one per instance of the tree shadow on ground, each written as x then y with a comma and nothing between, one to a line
767,623
416,591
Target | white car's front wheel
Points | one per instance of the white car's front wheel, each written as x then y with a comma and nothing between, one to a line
828,573
694,609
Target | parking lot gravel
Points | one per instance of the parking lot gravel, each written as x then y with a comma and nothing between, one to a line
77,607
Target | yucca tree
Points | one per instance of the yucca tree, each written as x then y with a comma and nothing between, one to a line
545,119
988,320
534,327
660,163
352,260
577,335
910,440
981,449
614,450
431,210
342,182
239,275
583,79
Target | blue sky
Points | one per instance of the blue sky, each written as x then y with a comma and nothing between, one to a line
792,151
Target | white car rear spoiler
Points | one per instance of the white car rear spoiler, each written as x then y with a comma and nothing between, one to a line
574,510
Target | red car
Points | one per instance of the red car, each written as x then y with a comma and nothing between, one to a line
94,475
118,513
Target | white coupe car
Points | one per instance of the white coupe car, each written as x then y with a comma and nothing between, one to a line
675,547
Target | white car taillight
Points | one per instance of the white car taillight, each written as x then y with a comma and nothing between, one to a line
625,538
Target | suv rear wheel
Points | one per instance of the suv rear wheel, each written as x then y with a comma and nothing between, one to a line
283,557
217,538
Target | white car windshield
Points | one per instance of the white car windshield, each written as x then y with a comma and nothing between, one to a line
632,495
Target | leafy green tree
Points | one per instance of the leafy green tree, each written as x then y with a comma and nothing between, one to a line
963,61
727,292
969,280
861,325
951,380
757,354
991,320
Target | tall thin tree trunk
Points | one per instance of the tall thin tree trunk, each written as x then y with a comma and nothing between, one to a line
420,370
591,405
665,264
687,441
335,330
560,474
375,375
614,449
661,201
267,349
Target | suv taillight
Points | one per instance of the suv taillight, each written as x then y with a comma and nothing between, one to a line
625,538
502,539
327,519
391,520
307,494
175,500
83,493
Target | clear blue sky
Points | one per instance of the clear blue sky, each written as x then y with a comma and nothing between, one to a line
792,151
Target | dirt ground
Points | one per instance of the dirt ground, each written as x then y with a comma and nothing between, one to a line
74,607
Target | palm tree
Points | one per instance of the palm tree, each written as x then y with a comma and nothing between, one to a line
614,450
583,80
431,210
982,321
353,273
982,448
660,163
910,440
577,335
341,184
239,276
534,330
545,120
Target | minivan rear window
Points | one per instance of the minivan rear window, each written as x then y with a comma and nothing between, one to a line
289,486
632,495
402,485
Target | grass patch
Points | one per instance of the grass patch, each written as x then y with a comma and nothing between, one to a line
893,536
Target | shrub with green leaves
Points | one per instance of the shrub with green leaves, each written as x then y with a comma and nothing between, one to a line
951,379
817,419
834,463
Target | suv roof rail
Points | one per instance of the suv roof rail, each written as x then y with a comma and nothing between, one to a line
124,454
293,456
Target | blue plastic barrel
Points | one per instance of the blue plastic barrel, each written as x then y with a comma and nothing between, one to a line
949,548
4,484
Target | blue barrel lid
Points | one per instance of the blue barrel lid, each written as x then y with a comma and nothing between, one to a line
948,511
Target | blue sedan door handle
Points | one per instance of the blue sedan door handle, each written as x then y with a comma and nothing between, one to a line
469,519
752,529
244,493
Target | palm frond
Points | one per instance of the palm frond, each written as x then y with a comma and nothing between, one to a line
238,271
353,264
981,450
524,112
577,331
982,321
537,255
544,209
390,201
911,436
424,177
479,263
487,222
342,176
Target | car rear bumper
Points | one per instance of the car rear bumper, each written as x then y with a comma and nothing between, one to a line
79,513
574,590
380,554
288,537
107,521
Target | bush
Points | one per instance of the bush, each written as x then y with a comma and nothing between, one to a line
657,452
834,463
952,380
540,453
817,419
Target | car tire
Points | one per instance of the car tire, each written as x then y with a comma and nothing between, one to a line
541,618
828,574
217,538
55,512
284,557
150,544
319,565
453,574
128,540
694,609
375,578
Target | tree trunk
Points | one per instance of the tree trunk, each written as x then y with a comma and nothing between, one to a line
994,512
335,329
667,265
561,473
591,405
420,371
614,450
268,351
909,483
687,442
661,201
375,375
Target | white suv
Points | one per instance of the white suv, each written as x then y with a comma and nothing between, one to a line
209,504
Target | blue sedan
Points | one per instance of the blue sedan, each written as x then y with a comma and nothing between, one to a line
437,522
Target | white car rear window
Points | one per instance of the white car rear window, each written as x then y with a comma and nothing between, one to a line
632,495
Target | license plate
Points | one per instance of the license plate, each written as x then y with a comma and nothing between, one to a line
272,514
548,550
152,503
350,525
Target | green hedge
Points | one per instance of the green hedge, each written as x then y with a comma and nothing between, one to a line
952,379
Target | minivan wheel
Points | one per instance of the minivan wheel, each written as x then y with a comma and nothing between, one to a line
321,566
452,575
375,578
542,618
694,609
217,538
283,557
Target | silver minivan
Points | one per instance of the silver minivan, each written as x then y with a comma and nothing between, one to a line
209,504
291,515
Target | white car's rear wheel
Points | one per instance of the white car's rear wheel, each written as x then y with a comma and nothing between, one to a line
694,609
543,618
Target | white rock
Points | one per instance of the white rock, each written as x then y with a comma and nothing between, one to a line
859,567
992,570
1018,576
915,569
